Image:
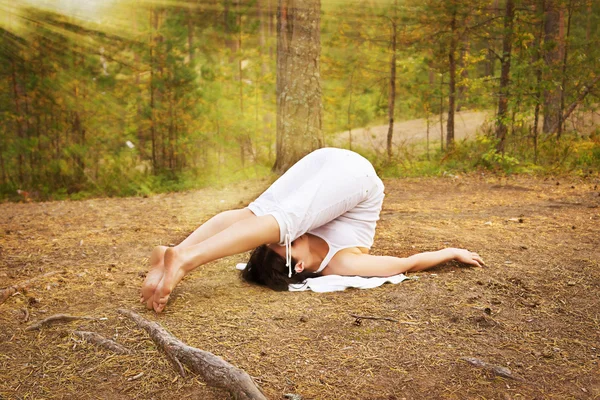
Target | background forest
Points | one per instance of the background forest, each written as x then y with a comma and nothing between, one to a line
131,98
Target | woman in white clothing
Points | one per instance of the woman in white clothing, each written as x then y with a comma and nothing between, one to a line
318,218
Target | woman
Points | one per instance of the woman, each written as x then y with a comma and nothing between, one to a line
318,218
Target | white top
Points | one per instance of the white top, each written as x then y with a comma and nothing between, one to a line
334,194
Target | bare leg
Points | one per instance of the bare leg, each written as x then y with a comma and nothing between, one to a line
242,236
211,227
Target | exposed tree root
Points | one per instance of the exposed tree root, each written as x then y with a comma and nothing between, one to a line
101,341
9,291
215,371
495,369
59,318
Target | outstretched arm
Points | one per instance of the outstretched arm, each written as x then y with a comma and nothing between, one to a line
368,265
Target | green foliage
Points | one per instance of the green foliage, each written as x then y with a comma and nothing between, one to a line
573,155
73,93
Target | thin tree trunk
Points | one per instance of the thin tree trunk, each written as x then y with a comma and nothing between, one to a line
505,76
563,89
552,58
264,67
242,139
442,112
392,94
452,84
461,98
163,94
19,118
3,178
153,24
229,19
538,76
190,36
588,28
490,64
349,110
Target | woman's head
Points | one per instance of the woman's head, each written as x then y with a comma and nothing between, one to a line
267,268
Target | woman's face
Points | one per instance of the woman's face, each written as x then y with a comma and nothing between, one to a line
300,251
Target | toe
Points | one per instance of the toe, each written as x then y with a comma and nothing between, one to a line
158,307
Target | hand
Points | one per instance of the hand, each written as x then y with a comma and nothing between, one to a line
468,257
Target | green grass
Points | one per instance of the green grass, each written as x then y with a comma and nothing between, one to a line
571,155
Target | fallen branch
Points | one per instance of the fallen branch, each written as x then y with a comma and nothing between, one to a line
60,318
214,370
25,312
375,318
495,369
9,291
99,340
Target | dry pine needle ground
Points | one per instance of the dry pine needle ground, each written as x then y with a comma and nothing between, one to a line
534,310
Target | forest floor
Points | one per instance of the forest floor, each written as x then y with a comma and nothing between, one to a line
535,308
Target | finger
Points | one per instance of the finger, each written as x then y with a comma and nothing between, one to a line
474,263
480,260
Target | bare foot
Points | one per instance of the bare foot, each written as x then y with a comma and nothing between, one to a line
154,275
173,274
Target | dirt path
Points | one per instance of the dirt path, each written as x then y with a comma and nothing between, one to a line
414,132
535,309
410,132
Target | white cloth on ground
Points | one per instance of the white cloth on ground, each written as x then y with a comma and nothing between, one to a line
335,283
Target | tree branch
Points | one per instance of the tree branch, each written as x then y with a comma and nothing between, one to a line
9,291
99,340
582,95
213,369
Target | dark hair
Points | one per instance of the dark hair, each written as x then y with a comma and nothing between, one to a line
267,268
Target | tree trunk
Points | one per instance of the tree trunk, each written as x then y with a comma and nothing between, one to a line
190,36
442,112
299,108
538,77
464,73
230,27
153,26
392,97
3,178
505,76
552,58
349,113
264,20
490,63
563,89
452,84
19,118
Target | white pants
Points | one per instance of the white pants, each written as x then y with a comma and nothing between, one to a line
328,184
